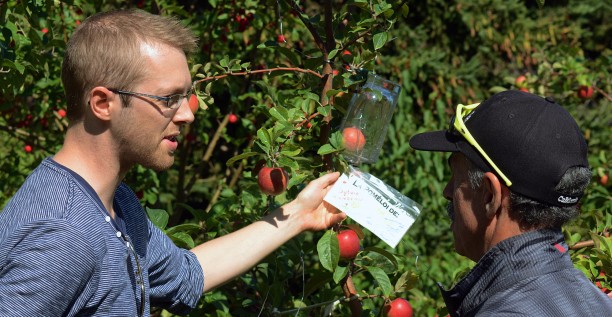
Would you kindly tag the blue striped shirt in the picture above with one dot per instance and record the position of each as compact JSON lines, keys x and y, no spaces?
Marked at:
{"x":61,"y":255}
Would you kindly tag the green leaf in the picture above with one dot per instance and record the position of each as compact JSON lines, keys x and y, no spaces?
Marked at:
{"x":279,"y":112}
{"x":185,"y":227}
{"x":379,"y":40}
{"x":336,"y":140}
{"x":289,"y":162}
{"x":239,"y":157}
{"x":326,"y":149}
{"x":332,"y":54}
{"x":264,"y":136}
{"x":296,"y":179}
{"x":381,"y":278}
{"x":291,"y":152}
{"x":404,"y":10}
{"x":224,"y":62}
{"x":384,"y":253}
{"x":332,"y":92}
{"x":328,"y":250}
{"x":406,"y":281}
{"x":324,"y":111}
{"x":158,"y":217}
{"x":183,"y":239}
{"x":340,"y":273}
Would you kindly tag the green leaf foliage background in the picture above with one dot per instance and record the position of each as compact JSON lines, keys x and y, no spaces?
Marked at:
{"x":440,"y":52}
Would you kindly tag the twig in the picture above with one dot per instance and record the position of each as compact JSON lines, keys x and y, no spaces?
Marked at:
{"x":341,"y":300}
{"x":267,"y":70}
{"x":603,"y":93}
{"x":582,"y":244}
{"x":316,"y":36}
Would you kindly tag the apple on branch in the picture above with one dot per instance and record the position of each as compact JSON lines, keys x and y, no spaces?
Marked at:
{"x":585,"y":92}
{"x":399,"y":307}
{"x":349,"y":244}
{"x":272,"y":180}
{"x":194,"y":104}
{"x":353,"y":139}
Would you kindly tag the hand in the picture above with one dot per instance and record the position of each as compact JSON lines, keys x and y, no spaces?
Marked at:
{"x":312,"y":211}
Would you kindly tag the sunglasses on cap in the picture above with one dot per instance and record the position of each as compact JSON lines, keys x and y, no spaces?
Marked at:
{"x":457,"y":126}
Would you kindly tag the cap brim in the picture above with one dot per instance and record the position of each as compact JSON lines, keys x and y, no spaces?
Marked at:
{"x":438,"y":141}
{"x":442,"y":141}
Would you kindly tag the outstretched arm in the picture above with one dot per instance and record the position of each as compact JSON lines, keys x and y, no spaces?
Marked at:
{"x":233,"y":254}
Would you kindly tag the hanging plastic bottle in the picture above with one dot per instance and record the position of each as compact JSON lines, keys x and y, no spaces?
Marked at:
{"x":364,"y":126}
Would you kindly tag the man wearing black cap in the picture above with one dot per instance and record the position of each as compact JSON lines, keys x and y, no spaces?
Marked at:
{"x":519,"y":167}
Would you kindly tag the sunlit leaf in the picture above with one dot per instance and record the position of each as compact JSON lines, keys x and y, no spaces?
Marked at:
{"x":328,"y":250}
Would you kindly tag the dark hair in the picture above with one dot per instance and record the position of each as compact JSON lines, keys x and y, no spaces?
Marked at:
{"x":532,"y":214}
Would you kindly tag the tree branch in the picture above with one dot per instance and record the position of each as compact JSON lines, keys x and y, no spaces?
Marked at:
{"x":251,"y":72}
{"x":582,"y":244}
{"x":315,"y":34}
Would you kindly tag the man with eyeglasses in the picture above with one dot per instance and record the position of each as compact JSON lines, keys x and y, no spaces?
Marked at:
{"x":74,"y":240}
{"x":519,"y":167}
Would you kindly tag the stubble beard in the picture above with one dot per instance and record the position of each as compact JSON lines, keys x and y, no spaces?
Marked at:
{"x":155,"y":158}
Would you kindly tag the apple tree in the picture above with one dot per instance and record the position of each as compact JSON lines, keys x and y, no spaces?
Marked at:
{"x":274,"y":80}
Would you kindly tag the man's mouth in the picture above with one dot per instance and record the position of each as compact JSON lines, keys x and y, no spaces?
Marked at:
{"x":171,"y":138}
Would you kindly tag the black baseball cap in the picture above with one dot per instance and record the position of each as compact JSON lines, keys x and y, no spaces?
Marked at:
{"x":531,"y":139}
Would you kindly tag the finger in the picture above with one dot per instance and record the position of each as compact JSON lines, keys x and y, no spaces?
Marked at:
{"x":328,"y":179}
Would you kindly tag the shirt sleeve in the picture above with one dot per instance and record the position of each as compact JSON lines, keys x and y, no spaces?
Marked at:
{"x":48,"y":270}
{"x":175,"y":275}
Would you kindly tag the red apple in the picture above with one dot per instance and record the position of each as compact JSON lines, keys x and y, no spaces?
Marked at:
{"x":45,"y":30}
{"x":585,"y":92}
{"x":194,"y":104}
{"x":347,"y":56}
{"x":520,"y":80}
{"x":598,"y":284}
{"x":603,"y":180}
{"x":61,"y":113}
{"x":232,"y":118}
{"x":399,"y":307}
{"x":281,"y":39}
{"x":348,"y":241}
{"x":524,"y":89}
{"x":272,"y":180}
{"x":27,"y":148}
{"x":353,"y":138}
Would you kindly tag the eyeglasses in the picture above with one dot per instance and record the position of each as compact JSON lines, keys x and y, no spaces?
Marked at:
{"x":139,"y":278}
{"x":172,"y":101}
{"x":458,"y":125}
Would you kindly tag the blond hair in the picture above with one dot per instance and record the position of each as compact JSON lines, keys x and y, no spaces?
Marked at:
{"x":105,"y":51}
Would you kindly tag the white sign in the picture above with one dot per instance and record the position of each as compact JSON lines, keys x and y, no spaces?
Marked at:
{"x":374,"y":205}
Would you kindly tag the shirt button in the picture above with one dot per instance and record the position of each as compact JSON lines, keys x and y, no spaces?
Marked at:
{"x":118,"y":234}
{"x":107,"y":218}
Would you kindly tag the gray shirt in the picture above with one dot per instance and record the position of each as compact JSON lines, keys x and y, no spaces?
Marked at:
{"x":527,"y":275}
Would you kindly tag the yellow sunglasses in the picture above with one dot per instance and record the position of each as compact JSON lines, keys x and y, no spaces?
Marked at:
{"x":457,"y":125}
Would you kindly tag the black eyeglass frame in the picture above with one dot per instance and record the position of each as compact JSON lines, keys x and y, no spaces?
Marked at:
{"x":172,"y":102}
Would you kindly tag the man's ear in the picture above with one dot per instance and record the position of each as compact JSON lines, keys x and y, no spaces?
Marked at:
{"x":492,"y":195}
{"x":101,"y":102}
